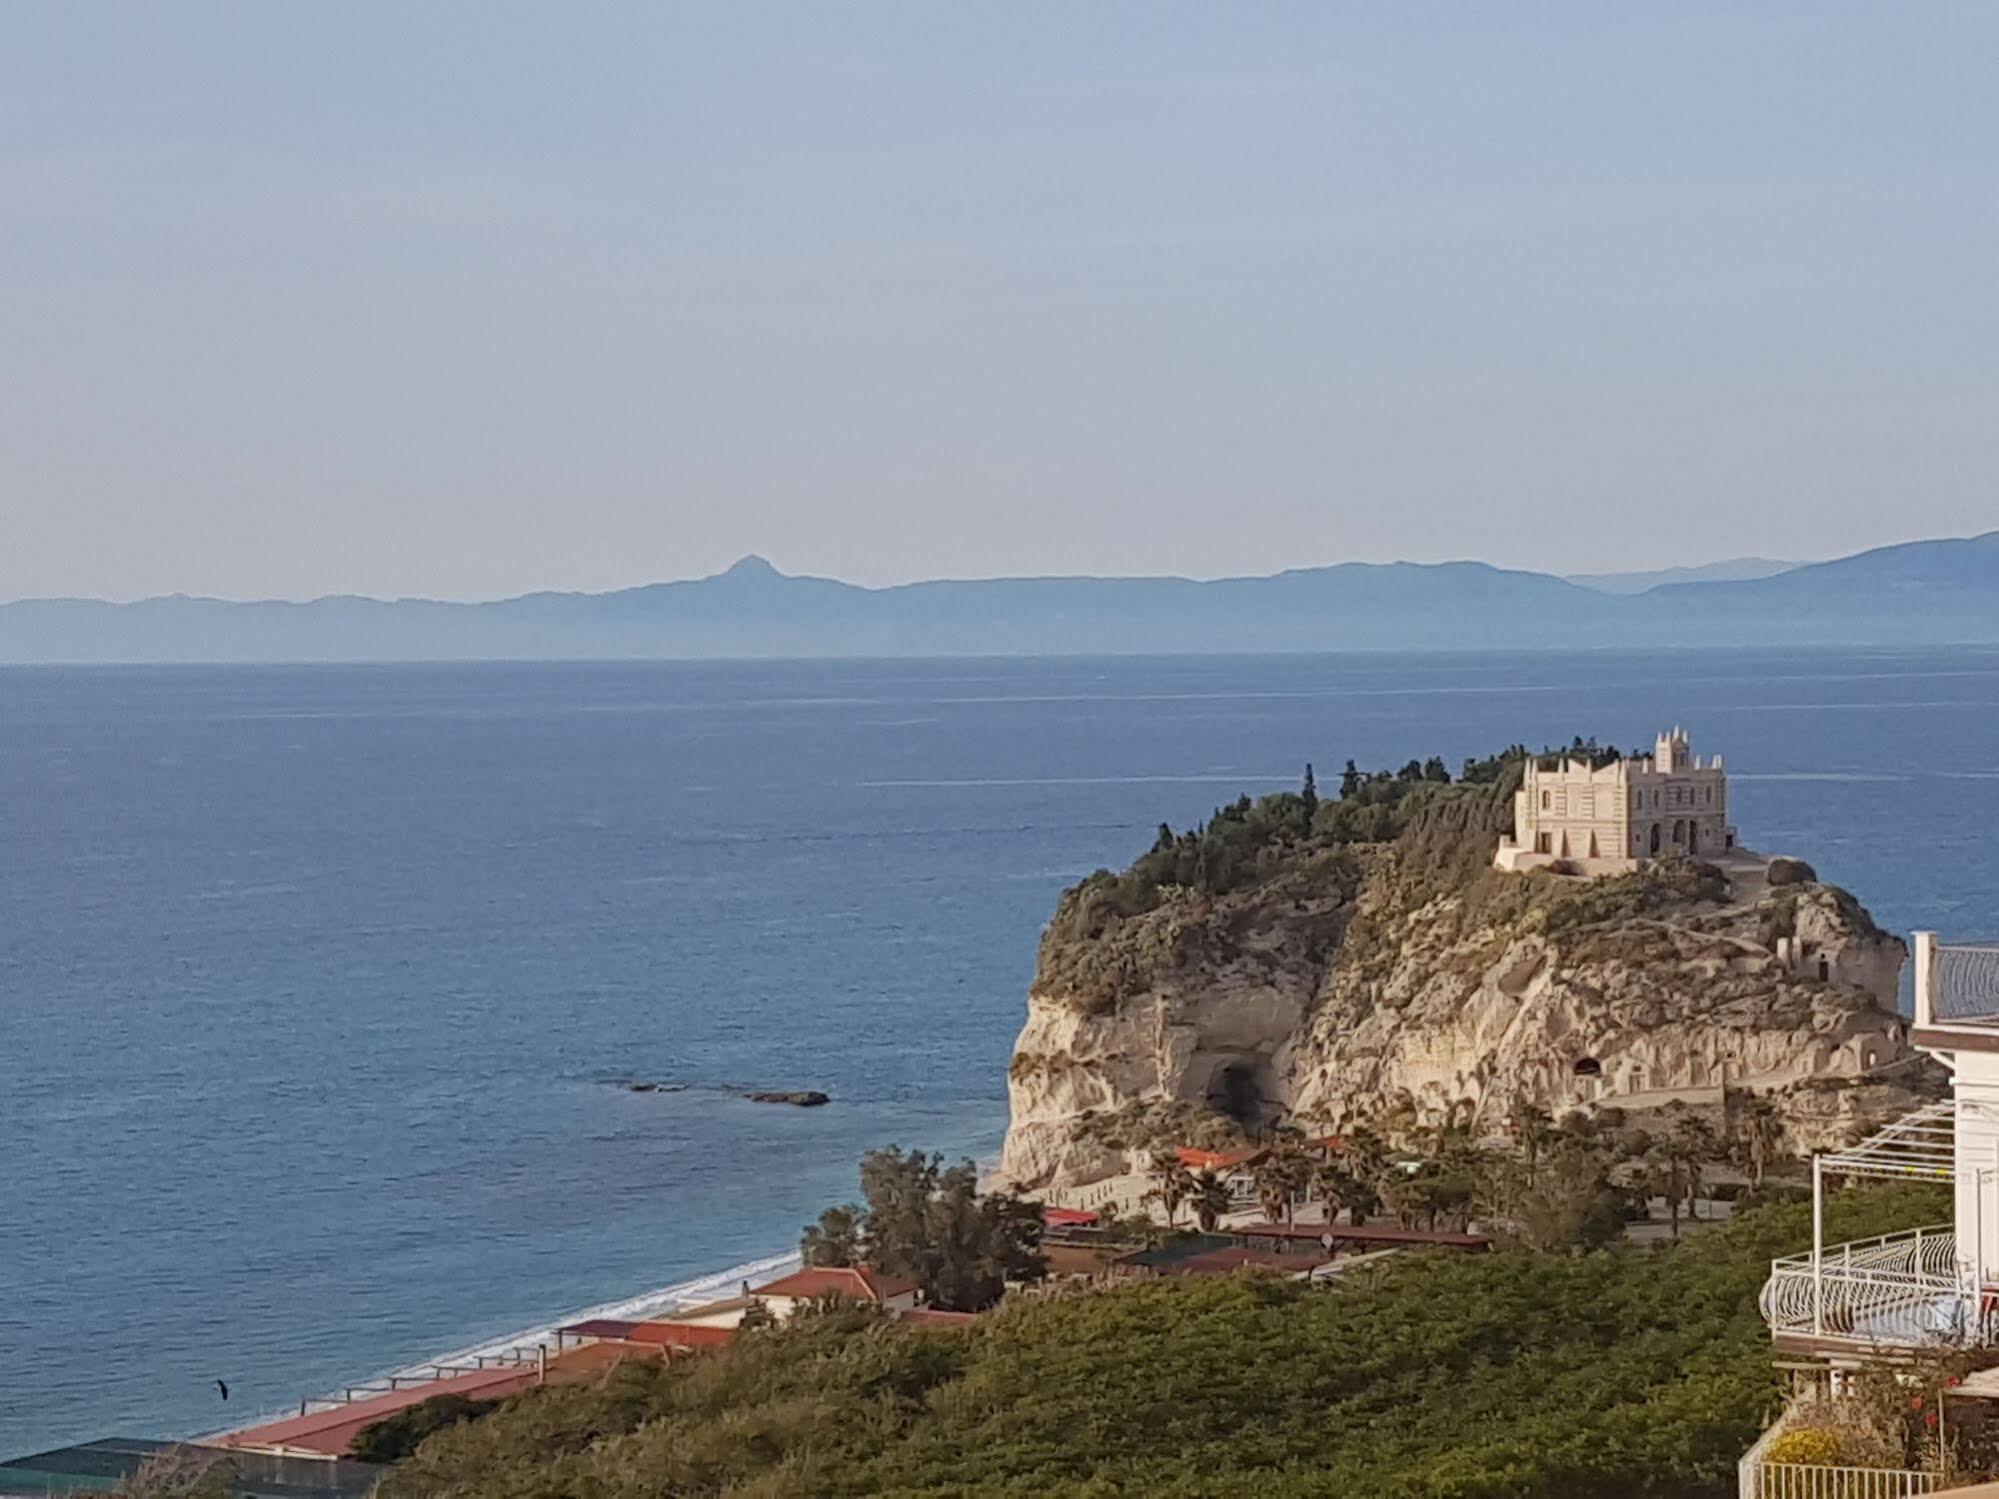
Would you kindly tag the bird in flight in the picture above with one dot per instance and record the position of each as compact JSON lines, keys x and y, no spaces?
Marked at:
{"x":223,"y":1388}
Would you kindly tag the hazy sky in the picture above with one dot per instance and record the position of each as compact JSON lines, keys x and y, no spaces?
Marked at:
{"x":467,"y":299}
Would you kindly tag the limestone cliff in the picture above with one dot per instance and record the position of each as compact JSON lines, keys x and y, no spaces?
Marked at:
{"x":1322,"y":977}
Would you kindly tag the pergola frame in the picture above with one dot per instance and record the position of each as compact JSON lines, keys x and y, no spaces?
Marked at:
{"x":1917,"y":1147}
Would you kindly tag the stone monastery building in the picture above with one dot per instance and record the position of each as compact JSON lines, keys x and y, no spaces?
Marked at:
{"x":1609,"y":820}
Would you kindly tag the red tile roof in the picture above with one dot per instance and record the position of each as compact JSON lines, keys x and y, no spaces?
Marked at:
{"x":599,"y":1327}
{"x":1067,"y":1217}
{"x":1217,"y":1160}
{"x":330,"y":1431}
{"x":856,"y":1283}
{"x":1080,"y":1259}
{"x":1367,"y":1233}
{"x":681,"y":1335}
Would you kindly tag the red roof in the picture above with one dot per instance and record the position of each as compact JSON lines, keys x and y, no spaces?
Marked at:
{"x":329,"y":1431}
{"x":681,"y":1335}
{"x":1366,"y":1233}
{"x":1216,"y":1160}
{"x":1067,"y":1217}
{"x":1221,"y":1261}
{"x":599,"y":1327}
{"x":855,"y":1282}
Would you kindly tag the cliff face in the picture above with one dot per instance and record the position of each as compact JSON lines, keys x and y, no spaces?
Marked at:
{"x":1404,"y":982}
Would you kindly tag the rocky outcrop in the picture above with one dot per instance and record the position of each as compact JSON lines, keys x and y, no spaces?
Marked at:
{"x":1405,"y":984}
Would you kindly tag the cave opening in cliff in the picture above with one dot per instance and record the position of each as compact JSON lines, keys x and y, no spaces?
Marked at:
{"x":1588,"y":1067}
{"x":1237,"y":1091}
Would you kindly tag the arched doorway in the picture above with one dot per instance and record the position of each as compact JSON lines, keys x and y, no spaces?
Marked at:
{"x":1593,"y":847}
{"x":1655,"y":837}
{"x":1693,"y":837}
{"x":1588,"y":1073}
{"x":1679,"y":832}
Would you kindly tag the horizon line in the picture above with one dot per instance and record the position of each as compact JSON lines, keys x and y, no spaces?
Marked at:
{"x":757,"y":563}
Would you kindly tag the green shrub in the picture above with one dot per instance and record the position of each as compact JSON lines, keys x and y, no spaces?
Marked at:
{"x":394,"y":1438}
{"x":1502,"y":1376}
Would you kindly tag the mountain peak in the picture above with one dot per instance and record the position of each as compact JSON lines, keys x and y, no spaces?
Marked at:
{"x":751,"y":566}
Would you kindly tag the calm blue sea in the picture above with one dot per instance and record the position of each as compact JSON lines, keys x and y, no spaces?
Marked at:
{"x":310,"y":977}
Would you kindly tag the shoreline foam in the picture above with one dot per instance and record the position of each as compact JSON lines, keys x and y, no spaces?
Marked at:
{"x":647,"y":1304}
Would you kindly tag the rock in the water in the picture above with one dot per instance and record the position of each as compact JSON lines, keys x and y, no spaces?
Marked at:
{"x":1791,"y":872}
{"x":642,"y":1087}
{"x":804,"y":1098}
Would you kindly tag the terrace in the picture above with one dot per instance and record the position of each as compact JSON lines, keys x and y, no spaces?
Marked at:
{"x":1881,"y":1301}
{"x":1901,"y":1289}
{"x":1932,"y":1286}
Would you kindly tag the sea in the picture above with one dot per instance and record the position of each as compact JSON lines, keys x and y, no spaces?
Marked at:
{"x":319,"y":985}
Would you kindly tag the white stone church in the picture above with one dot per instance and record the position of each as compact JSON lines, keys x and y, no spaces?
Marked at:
{"x":1611,"y":819}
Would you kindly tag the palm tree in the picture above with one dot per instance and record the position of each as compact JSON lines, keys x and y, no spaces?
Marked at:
{"x":1211,"y":1200}
{"x":1761,"y":1130}
{"x":1280,"y":1176}
{"x":1173,"y":1183}
{"x":1364,"y":1170}
{"x":1698,"y":1145}
{"x":1667,"y":1174}
{"x":1458,"y":1175}
{"x":1532,"y":1128}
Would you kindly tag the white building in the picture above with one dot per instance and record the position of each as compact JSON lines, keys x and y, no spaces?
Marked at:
{"x":1842,"y":1306}
{"x":1610,"y":819}
{"x":1939,"y":1282}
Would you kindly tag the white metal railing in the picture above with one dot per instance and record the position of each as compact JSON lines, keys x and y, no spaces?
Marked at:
{"x":1906,"y":1288}
{"x":1956,"y":983}
{"x":1759,"y":1478}
{"x":1808,"y":1481}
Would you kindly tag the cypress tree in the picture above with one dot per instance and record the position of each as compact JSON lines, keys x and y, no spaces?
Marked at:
{"x":1349,"y":781}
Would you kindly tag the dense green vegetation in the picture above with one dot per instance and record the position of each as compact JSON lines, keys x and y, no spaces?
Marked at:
{"x":1296,"y":867}
{"x":1507,"y":1376}
{"x":394,"y":1438}
{"x":927,"y":1222}
{"x":1248,"y":842}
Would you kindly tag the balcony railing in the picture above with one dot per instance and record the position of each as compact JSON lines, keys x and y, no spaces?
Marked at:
{"x":1957,"y":985}
{"x":1759,"y":1478}
{"x":1902,"y":1289}
{"x":1808,"y":1481}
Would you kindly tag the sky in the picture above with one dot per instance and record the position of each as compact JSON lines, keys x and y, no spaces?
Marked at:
{"x":468,"y":299}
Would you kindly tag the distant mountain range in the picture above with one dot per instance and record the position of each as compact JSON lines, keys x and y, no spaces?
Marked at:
{"x":1734,"y":570}
{"x":1925,"y":592}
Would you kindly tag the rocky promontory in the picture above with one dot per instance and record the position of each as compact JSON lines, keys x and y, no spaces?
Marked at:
{"x":1320,"y":964}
